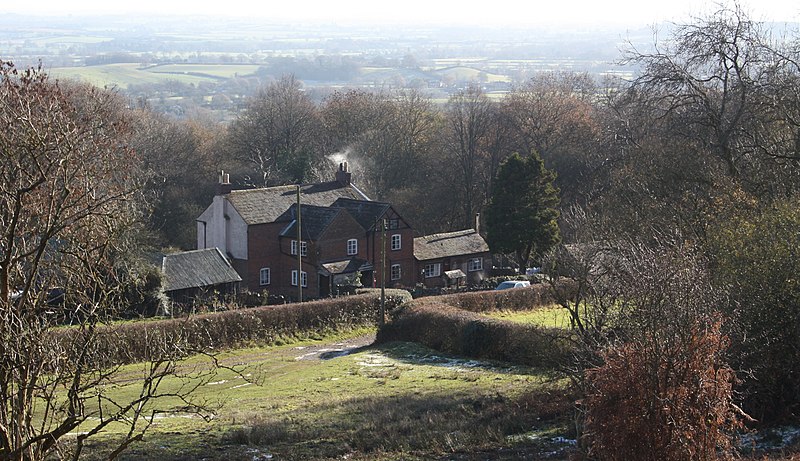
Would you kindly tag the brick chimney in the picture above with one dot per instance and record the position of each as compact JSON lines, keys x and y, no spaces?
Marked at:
{"x":477,"y":223}
{"x":342,"y":175}
{"x":224,"y":184}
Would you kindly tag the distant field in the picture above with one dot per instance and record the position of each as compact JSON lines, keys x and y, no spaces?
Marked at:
{"x":61,"y":40}
{"x":470,"y":73}
{"x":124,"y":75}
{"x":214,"y":70}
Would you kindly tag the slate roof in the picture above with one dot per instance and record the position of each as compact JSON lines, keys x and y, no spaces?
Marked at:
{"x":198,"y":268}
{"x":347,"y":266}
{"x":315,"y":220}
{"x":450,"y":244}
{"x":365,"y":212}
{"x":265,"y":205}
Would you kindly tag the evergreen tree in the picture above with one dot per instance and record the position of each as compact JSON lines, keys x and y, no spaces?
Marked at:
{"x":522,"y":215}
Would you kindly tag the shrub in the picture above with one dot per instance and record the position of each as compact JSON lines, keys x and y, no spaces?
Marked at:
{"x":756,"y":256}
{"x":649,"y":403}
{"x":451,"y":330}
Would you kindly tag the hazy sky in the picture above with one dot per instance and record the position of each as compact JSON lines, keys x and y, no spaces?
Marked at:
{"x":426,"y":11}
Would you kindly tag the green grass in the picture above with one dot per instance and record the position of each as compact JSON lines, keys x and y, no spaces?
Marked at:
{"x":553,"y":316}
{"x":212,"y":70}
{"x":123,"y":75}
{"x":399,"y":400}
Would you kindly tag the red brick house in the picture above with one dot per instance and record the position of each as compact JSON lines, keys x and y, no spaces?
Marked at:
{"x":340,"y":241}
{"x":452,"y":259}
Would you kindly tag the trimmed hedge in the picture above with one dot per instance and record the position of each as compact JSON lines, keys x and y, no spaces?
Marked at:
{"x":448,"y":329}
{"x":133,"y":342}
{"x":517,"y":299}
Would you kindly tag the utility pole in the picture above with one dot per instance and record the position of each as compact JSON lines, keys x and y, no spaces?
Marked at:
{"x":299,"y":250}
{"x":382,"y":318}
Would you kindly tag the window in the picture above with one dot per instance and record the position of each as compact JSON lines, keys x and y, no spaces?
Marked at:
{"x":394,"y":223}
{"x":264,"y":276}
{"x":475,"y":264}
{"x":352,"y":247}
{"x":396,"y":272}
{"x":395,"y":241}
{"x":303,"y":277}
{"x":303,"y":248}
{"x":433,"y":270}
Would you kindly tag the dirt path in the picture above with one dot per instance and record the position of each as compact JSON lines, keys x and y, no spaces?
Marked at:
{"x":333,"y":350}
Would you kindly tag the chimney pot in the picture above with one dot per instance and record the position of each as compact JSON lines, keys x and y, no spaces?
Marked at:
{"x":343,"y":176}
{"x":224,"y":185}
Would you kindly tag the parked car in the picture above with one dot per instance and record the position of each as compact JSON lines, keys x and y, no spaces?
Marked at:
{"x":513,"y":284}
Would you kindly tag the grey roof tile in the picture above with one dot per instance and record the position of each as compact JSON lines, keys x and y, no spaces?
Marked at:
{"x":449,"y":244}
{"x":198,"y":268}
{"x":265,"y":205}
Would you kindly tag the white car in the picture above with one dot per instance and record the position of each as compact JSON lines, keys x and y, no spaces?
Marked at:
{"x":513,"y":284}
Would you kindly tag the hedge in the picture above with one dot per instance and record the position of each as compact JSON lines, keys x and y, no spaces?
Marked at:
{"x":132,"y":342}
{"x":518,"y":299}
{"x":448,"y":329}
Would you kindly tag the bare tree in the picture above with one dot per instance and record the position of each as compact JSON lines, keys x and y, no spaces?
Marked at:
{"x":69,"y":202}
{"x":277,"y":132}
{"x":470,"y":115}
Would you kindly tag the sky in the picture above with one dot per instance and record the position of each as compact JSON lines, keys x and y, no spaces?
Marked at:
{"x":444,"y":12}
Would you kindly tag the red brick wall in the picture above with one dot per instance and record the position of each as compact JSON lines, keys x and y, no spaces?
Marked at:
{"x":404,"y":256}
{"x":333,"y":243}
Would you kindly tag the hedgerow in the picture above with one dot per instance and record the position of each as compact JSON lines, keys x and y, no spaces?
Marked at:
{"x":493,"y":300}
{"x":132,"y":342}
{"x":443,"y":327}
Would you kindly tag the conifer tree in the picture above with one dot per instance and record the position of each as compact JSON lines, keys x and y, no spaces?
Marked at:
{"x":522,"y":215}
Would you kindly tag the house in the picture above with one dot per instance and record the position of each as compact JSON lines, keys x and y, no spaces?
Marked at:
{"x":339,"y":243}
{"x":196,"y":275}
{"x":452,"y":259}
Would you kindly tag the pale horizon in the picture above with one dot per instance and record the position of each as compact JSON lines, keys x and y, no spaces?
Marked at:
{"x":500,"y":12}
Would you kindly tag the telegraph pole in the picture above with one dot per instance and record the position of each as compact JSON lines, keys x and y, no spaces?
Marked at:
{"x":382,"y":318}
{"x":299,"y":251}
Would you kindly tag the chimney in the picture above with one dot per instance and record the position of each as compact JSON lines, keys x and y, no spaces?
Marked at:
{"x":342,"y":175}
{"x":477,"y":223}
{"x":224,"y":185}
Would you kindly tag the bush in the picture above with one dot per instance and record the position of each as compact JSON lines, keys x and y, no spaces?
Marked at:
{"x":756,"y":256}
{"x":651,"y":403}
{"x":451,"y":330}
{"x":655,"y":380}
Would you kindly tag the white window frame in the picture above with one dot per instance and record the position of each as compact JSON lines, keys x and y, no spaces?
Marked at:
{"x":475,"y":264}
{"x":433,"y":270}
{"x":397,"y":242}
{"x":352,"y":247}
{"x":303,"y":248}
{"x":303,"y":278}
{"x":264,"y":276}
{"x":396,"y":272}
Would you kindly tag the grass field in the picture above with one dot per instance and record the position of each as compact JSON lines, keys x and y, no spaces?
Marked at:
{"x":396,"y":401}
{"x":123,"y":75}
{"x":553,"y":316}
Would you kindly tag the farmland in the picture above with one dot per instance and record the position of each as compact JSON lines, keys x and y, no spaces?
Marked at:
{"x":122,"y":75}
